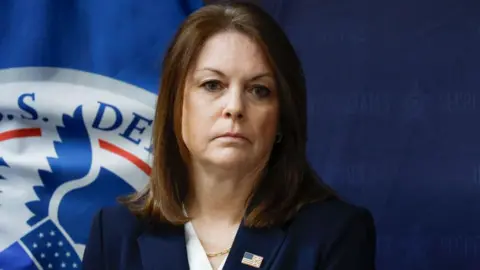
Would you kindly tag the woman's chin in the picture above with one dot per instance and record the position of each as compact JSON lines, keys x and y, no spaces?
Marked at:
{"x":230,"y":160}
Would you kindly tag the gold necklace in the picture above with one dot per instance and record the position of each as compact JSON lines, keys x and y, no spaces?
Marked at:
{"x":211,"y":255}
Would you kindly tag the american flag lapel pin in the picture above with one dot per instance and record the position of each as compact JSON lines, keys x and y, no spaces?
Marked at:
{"x":252,"y":260}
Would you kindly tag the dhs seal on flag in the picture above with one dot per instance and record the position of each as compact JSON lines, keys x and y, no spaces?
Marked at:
{"x":70,"y":143}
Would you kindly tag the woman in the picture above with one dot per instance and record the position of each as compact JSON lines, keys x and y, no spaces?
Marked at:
{"x":231,"y":187}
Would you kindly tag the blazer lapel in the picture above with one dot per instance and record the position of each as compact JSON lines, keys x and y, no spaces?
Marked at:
{"x":260,"y":242}
{"x":164,"y":248}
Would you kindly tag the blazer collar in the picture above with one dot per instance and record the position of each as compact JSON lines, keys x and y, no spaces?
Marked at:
{"x":261,"y":242}
{"x":165,"y":247}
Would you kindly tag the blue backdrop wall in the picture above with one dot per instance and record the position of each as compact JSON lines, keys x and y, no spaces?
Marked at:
{"x":393,"y":109}
{"x":394,"y":106}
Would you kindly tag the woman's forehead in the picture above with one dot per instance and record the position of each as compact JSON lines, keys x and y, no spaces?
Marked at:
{"x":231,"y":52}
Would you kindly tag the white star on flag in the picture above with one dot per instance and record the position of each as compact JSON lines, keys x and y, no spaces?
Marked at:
{"x":50,"y":248}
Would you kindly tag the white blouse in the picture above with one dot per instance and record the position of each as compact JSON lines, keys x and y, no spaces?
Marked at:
{"x":197,"y":257}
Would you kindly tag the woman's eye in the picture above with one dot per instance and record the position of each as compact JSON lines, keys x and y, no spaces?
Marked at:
{"x":212,"y":86}
{"x":261,"y":91}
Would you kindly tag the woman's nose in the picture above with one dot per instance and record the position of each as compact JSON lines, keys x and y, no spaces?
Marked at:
{"x":234,"y":108}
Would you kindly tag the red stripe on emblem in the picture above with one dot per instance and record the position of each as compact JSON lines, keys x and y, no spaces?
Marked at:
{"x":20,"y":133}
{"x":142,"y":165}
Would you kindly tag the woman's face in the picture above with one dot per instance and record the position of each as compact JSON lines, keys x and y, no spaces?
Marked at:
{"x":230,"y":107}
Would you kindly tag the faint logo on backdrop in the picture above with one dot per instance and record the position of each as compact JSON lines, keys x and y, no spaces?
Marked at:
{"x":70,"y":143}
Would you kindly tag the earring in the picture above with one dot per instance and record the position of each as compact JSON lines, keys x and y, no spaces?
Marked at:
{"x":278,"y":137}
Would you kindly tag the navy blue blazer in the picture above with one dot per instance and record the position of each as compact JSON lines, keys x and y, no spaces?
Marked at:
{"x":330,"y":235}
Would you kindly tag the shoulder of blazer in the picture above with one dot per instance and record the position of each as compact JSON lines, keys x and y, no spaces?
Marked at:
{"x":329,"y":220}
{"x":117,"y":222}
{"x":110,"y":227}
{"x":331,"y":211}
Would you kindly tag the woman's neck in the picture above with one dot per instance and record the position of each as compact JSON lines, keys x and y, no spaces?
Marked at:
{"x":218,"y":196}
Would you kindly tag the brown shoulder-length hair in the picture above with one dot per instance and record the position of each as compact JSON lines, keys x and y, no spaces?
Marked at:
{"x":288,"y":180}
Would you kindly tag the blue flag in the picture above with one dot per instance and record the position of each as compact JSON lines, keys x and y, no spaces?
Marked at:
{"x":78,"y":83}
